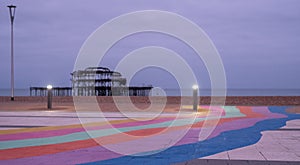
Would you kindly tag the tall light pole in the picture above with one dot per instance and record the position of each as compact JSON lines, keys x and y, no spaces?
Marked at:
{"x":12,"y":11}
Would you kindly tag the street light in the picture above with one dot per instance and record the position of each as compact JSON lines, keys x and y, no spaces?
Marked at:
{"x":195,"y":97}
{"x":12,"y":11}
{"x":49,"y":89}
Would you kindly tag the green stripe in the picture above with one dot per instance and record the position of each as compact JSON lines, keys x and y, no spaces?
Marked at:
{"x":230,"y":111}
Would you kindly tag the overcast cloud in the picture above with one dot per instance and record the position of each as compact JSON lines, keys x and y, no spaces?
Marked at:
{"x":258,"y":41}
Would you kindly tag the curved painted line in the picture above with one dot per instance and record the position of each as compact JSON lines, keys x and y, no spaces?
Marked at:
{"x":225,"y":141}
{"x":49,"y":149}
{"x":96,"y":133}
{"x":61,"y":157}
{"x":61,"y":132}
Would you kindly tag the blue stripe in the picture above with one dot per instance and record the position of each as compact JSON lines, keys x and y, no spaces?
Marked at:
{"x":225,"y":141}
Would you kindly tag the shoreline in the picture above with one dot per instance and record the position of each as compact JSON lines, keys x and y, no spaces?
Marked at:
{"x":203,"y":100}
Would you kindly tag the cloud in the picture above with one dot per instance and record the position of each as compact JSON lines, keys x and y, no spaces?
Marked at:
{"x":251,"y":36}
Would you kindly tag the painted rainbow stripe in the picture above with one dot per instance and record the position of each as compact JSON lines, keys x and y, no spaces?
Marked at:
{"x":237,"y":127}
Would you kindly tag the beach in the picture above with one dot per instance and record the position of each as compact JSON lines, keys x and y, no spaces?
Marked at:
{"x":107,"y":103}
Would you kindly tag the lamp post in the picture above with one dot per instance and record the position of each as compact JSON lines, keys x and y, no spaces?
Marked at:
{"x":49,"y":89}
{"x":12,"y":11}
{"x":195,"y":97}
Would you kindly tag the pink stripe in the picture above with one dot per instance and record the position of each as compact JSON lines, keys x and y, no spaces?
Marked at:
{"x":50,"y":133}
{"x":99,"y":153}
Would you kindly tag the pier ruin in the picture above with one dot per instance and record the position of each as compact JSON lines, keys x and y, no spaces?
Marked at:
{"x":95,"y":81}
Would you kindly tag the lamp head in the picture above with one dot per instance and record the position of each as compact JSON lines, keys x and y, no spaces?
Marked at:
{"x":12,"y":6}
{"x":49,"y":87}
{"x":12,"y":12}
{"x":195,"y":87}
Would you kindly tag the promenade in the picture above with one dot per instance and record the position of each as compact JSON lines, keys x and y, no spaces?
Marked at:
{"x":219,"y":135}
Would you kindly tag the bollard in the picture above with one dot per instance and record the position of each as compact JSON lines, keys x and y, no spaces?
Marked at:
{"x":195,"y":97}
{"x":49,"y":89}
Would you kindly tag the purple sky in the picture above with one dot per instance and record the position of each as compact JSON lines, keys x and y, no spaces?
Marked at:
{"x":258,"y":41}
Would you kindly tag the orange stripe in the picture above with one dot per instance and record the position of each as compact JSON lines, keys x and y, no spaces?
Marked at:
{"x":118,"y":138}
{"x":62,"y":147}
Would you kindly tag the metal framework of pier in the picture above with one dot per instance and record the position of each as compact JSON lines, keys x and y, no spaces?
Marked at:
{"x":95,"y":81}
{"x":100,"y":81}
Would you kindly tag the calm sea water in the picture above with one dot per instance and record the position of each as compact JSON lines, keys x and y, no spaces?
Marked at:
{"x":202,"y":92}
{"x":242,"y":92}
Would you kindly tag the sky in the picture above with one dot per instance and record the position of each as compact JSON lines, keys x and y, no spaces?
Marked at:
{"x":258,"y":41}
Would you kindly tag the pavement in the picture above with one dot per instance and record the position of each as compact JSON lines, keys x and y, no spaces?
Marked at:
{"x":223,"y":135}
{"x":281,"y":146}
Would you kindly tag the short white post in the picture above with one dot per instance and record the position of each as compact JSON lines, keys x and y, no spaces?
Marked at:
{"x":195,"y":97}
{"x":49,"y":89}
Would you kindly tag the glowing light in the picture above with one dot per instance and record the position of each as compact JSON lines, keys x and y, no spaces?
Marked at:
{"x":49,"y":87}
{"x":195,"y":87}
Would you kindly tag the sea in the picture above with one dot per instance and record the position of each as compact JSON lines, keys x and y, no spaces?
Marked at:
{"x":188,"y":92}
